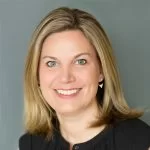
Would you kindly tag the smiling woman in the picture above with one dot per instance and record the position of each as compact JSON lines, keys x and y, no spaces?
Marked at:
{"x":73,"y":97}
{"x":65,"y":80}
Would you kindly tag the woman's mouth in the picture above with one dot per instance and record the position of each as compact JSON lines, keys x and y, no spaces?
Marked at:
{"x":68,"y":92}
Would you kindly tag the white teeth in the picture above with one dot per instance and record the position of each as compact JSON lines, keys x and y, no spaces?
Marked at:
{"x":67,"y":92}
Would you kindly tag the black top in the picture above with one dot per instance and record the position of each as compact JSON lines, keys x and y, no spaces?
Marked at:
{"x":131,"y":134}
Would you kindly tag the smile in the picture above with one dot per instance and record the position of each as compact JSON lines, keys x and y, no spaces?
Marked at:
{"x":68,"y":92}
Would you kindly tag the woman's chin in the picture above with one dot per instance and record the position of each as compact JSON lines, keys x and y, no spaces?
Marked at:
{"x":66,"y":111}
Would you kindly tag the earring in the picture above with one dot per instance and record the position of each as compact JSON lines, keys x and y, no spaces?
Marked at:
{"x":101,"y":85}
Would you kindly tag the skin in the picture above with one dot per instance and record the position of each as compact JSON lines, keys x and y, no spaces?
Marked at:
{"x":68,"y":62}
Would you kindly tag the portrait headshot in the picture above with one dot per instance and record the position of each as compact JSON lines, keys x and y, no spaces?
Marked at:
{"x":74,"y":75}
{"x":72,"y":91}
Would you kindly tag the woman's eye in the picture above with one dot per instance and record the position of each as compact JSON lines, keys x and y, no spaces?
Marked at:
{"x":81,"y":61}
{"x":51,"y":63}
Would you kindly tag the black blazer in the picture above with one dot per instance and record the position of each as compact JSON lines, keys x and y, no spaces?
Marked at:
{"x":131,"y":134}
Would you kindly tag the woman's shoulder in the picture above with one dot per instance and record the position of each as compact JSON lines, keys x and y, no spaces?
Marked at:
{"x":32,"y":142}
{"x":132,"y":125}
{"x":133,"y":132}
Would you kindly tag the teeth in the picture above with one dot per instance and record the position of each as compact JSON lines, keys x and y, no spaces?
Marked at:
{"x":67,"y":92}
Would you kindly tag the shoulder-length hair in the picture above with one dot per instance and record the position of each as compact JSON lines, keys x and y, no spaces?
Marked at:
{"x":39,"y":116}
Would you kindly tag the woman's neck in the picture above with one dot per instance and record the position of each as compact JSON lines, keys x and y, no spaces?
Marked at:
{"x":76,"y":129}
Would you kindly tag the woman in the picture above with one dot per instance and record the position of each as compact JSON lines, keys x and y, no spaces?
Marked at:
{"x":73,"y":97}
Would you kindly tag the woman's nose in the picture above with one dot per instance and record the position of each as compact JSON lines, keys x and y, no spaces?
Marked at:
{"x":67,"y":75}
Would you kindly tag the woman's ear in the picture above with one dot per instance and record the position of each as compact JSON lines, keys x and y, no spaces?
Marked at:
{"x":101,"y":80}
{"x":101,"y":77}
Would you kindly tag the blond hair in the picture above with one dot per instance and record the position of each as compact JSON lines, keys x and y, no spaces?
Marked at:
{"x":39,"y":116}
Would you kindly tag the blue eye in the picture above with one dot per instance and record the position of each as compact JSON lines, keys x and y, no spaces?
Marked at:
{"x":51,"y":64}
{"x":81,"y":61}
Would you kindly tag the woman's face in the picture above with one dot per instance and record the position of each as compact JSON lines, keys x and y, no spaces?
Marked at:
{"x":69,"y":72}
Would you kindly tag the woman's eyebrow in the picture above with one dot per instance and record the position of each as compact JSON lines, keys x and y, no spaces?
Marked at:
{"x":50,"y":57}
{"x":78,"y":55}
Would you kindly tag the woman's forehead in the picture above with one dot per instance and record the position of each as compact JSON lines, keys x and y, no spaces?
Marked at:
{"x":67,"y":42}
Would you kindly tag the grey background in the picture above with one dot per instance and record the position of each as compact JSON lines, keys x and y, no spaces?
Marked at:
{"x":126,"y":22}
